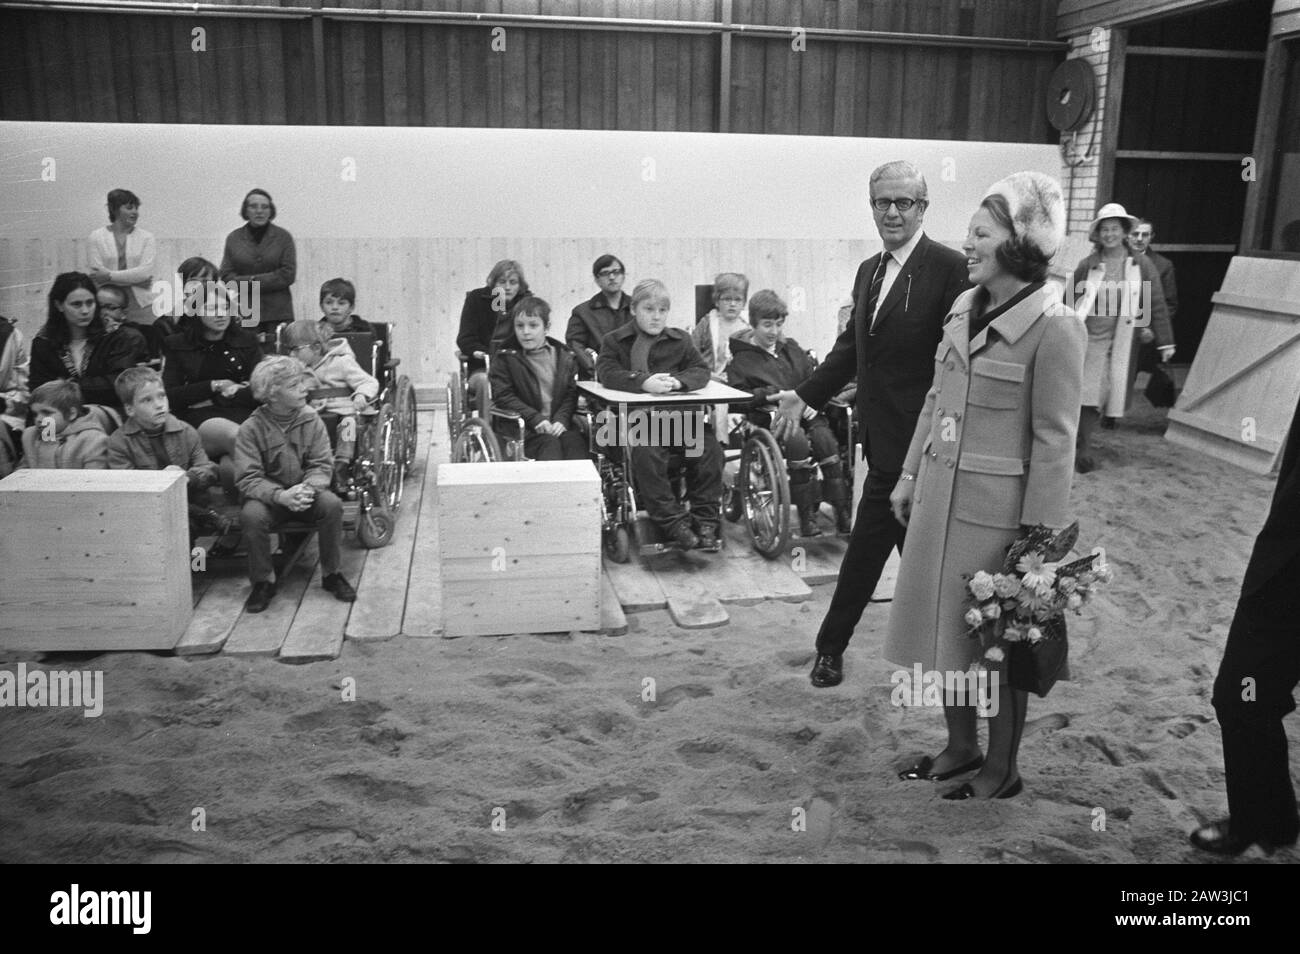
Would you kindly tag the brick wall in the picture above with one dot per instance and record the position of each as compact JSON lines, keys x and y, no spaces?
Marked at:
{"x":1081,"y":187}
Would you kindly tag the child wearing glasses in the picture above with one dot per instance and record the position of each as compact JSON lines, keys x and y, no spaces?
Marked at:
{"x":599,"y":315}
{"x":728,"y":317}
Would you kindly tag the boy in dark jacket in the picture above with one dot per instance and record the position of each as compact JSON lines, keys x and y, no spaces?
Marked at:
{"x":599,"y":315}
{"x":152,"y":438}
{"x":648,"y":356}
{"x":764,"y":362}
{"x":283,"y":468}
{"x":532,"y":376}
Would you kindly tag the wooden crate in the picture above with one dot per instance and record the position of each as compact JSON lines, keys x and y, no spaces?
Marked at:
{"x":520,"y":547}
{"x":93,"y":560}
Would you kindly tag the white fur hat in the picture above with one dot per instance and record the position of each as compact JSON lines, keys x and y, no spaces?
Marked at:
{"x":1037,"y":209}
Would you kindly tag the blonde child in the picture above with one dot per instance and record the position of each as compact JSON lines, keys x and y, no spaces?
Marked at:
{"x":282,"y":467}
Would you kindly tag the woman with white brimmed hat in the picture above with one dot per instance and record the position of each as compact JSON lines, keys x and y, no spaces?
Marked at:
{"x":992,"y":454}
{"x":1124,"y":303}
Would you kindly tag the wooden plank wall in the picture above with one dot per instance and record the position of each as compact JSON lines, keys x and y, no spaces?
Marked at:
{"x":424,"y":280}
{"x":141,"y":68}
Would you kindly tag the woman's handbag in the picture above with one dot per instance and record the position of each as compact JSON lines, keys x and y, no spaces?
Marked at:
{"x":1035,"y":667}
{"x":1160,"y":389}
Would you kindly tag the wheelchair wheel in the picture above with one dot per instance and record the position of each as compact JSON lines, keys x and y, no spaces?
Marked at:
{"x":475,"y":444}
{"x":733,"y":507}
{"x":454,"y":409}
{"x":765,"y":493}
{"x":407,"y":426}
{"x":618,"y":544}
{"x":375,"y":528}
{"x":385,"y":458}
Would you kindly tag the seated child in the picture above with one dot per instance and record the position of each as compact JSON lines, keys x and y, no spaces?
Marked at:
{"x":66,"y":436}
{"x":532,"y":376}
{"x":337,"y":385}
{"x":153,"y":439}
{"x":714,"y":330}
{"x":764,"y":362}
{"x":338,"y":297}
{"x":282,"y":467}
{"x":13,"y":394}
{"x":646,"y":355}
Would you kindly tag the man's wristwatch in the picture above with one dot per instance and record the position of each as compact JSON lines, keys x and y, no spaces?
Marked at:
{"x":906,"y":476}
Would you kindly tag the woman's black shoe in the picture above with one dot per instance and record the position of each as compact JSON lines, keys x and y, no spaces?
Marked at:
{"x":1217,"y":838}
{"x":965,"y":791}
{"x":921,"y":770}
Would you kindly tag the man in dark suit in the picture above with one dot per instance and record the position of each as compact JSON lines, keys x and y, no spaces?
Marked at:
{"x":1259,"y":672}
{"x":1139,"y":240}
{"x":900,"y":299}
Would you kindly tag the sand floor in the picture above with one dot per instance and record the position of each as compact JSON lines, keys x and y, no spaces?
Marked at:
{"x":550,"y":736}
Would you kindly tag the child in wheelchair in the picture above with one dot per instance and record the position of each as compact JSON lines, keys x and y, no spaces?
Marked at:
{"x":282,"y":467}
{"x":533,"y":378}
{"x":153,"y":439}
{"x":338,"y":387}
{"x":648,"y":356}
{"x":763,"y":362}
{"x":338,"y":297}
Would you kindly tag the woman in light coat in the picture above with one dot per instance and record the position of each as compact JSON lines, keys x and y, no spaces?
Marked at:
{"x":123,"y":254}
{"x":993,"y":452}
{"x":1124,"y":301}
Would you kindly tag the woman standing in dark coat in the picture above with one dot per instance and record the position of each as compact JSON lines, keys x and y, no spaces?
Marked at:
{"x":73,"y":343}
{"x":263,"y":252}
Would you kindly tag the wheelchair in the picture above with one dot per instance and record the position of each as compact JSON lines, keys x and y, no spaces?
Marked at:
{"x":472,"y":438}
{"x":759,"y":491}
{"x":385,"y":438}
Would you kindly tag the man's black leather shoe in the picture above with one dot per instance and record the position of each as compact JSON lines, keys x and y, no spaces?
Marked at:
{"x":827,"y":671}
{"x":1218,"y":839}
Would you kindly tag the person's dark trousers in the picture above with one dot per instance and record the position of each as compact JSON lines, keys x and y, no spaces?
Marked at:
{"x":259,"y":521}
{"x":703,"y":482}
{"x":875,"y":534}
{"x":1252,"y":695}
{"x":570,"y":445}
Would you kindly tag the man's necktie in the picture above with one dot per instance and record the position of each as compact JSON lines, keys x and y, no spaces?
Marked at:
{"x":873,"y":293}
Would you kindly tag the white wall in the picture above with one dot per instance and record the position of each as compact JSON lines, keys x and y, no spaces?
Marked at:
{"x":431,"y":209}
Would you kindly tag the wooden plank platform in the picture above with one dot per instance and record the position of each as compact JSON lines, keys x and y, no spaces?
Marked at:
{"x":398,"y":589}
{"x":423,"y":614}
{"x":612,"y":620}
{"x":382,"y":585}
{"x":261,"y":634}
{"x":317,"y":628}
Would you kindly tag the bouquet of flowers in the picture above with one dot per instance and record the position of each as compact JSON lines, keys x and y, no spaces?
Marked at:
{"x":1019,"y":613}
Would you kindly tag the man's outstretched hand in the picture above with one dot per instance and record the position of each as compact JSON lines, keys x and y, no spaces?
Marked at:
{"x":790,"y":409}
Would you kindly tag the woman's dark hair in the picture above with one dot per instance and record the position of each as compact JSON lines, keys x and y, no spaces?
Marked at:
{"x":604,"y":262}
{"x":55,"y":328}
{"x":1016,"y":255}
{"x":243,"y":206}
{"x":197,"y":267}
{"x":118,"y":198}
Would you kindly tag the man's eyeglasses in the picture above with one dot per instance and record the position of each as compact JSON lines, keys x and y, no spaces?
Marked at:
{"x":609,"y":273}
{"x":112,"y":308}
{"x":882,"y":205}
